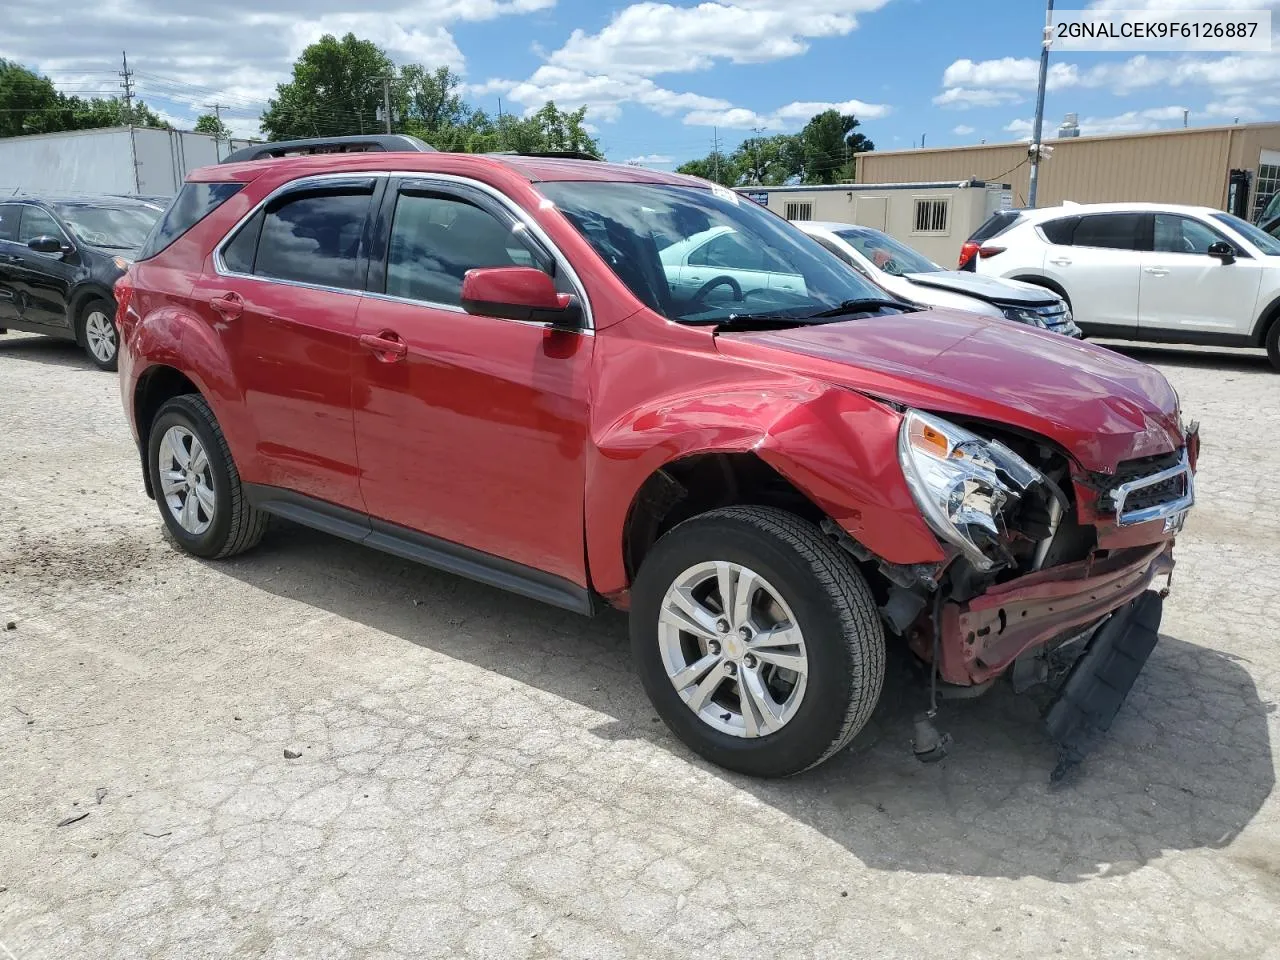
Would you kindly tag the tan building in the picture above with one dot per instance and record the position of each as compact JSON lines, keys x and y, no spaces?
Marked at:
{"x":1168,"y":166}
{"x":934,"y":218}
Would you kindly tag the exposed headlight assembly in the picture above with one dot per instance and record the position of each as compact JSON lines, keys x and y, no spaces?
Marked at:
{"x":1028,"y":316}
{"x":962,"y":483}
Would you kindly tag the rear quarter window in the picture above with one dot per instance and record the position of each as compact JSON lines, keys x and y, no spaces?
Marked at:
{"x":194,"y":202}
{"x":1060,"y":232}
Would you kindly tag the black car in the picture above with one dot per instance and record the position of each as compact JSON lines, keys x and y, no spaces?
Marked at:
{"x":59,"y":259}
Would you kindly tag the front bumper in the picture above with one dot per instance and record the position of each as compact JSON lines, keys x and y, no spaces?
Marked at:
{"x":982,"y":637}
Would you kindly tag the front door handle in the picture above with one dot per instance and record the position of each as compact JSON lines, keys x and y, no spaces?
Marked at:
{"x":386,"y":346}
{"x":1061,"y":262}
{"x":1156,"y":271}
{"x":9,"y":258}
{"x":228,"y":306}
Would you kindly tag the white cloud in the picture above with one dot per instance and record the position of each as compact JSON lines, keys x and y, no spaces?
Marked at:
{"x":601,"y":94}
{"x":188,"y":53}
{"x":1008,"y":73}
{"x":1021,"y":129}
{"x":649,"y":38}
{"x":651,"y":160}
{"x":963,"y":130}
{"x":962,"y":98}
{"x":792,"y":116}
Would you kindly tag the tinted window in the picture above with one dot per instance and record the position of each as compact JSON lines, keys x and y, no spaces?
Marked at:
{"x":834,"y":249}
{"x":37,"y":223}
{"x":1060,"y":232}
{"x":1174,"y":234}
{"x":238,"y":255}
{"x":314,"y":238}
{"x":1115,"y":231}
{"x":1264,"y":241}
{"x":886,"y":253}
{"x":9,"y":215}
{"x":996,"y":224}
{"x":194,"y":202}
{"x":437,"y":238}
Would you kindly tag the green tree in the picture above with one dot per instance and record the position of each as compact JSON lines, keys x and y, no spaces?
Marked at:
{"x":828,"y":143}
{"x":769,"y":160}
{"x":336,"y":91}
{"x":210,"y":124}
{"x":716,"y":167}
{"x":429,"y":106}
{"x":28,"y":103}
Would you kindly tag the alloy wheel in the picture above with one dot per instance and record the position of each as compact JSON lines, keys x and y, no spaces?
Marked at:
{"x":732,"y":649}
{"x":100,"y":334}
{"x":186,"y":480}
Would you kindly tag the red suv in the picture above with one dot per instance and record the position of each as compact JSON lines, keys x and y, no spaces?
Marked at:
{"x":485,"y":364}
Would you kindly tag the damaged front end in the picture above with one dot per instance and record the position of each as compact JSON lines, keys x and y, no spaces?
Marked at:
{"x":1044,"y":559}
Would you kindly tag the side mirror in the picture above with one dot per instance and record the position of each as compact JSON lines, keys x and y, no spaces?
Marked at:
{"x":1222,"y":251}
{"x":519,"y":293}
{"x":46,"y":244}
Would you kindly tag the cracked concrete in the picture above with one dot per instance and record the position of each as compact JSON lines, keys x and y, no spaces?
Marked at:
{"x":481,"y":776}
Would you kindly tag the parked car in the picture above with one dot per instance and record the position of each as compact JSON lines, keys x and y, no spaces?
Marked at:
{"x":478,"y":362}
{"x":1142,"y":271}
{"x":58,"y":261}
{"x":913,"y":276}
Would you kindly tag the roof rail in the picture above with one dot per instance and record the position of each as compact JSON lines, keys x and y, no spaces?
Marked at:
{"x":549,"y":154}
{"x":374,"y":143}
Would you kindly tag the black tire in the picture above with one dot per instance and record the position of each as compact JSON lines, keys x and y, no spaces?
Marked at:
{"x":107,"y":307}
{"x":835,"y":610}
{"x":1273,"y":344}
{"x":235,"y":526}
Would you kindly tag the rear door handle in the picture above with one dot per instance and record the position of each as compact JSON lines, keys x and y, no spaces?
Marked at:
{"x":386,"y":346}
{"x":1156,"y":271}
{"x":1061,"y":262}
{"x":228,"y":306}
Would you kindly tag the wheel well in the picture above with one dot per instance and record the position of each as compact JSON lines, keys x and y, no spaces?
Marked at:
{"x":158,"y":385}
{"x":1269,"y":320}
{"x":1045,"y":282}
{"x":703,"y":482}
{"x":80,"y":298}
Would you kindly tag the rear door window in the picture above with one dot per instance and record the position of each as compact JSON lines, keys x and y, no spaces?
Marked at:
{"x":316,"y":237}
{"x":1112,"y":231}
{"x":194,"y":202}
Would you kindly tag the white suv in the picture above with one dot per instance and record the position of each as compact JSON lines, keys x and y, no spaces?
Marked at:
{"x":1146,"y":271}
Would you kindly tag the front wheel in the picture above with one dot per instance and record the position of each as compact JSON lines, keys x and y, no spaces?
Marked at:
{"x":757,"y":640}
{"x":1273,"y":344}
{"x":97,"y":332}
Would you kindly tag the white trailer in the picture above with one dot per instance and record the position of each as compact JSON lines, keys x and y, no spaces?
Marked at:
{"x":113,"y":160}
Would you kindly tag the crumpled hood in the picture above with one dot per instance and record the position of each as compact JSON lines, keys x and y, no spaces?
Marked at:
{"x":985,"y":288}
{"x":1098,"y":404}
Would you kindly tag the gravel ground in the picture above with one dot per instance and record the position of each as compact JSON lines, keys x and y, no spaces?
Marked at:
{"x":481,"y":776}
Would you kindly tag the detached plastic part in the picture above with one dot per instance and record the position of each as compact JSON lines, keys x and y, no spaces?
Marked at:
{"x":928,"y":745}
{"x":1101,"y":680}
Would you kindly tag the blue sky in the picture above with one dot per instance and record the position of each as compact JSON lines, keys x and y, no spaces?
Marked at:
{"x":660,"y":78}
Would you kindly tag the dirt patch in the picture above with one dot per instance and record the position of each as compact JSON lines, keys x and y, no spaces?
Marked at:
{"x":101,"y":557}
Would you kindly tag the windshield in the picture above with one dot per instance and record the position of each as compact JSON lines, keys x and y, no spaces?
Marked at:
{"x":1268,"y":244}
{"x":885,"y":253}
{"x":119,"y":228}
{"x":697,"y":255}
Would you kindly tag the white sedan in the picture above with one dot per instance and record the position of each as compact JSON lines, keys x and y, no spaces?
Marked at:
{"x":912,"y":276}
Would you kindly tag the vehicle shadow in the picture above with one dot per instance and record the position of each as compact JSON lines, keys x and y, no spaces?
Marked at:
{"x":50,"y":350}
{"x":1186,"y":765}
{"x":1244,"y":361}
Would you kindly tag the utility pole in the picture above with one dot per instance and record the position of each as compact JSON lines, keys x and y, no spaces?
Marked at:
{"x":1186,"y":114}
{"x":386,"y":100}
{"x":715,"y":153}
{"x":127,"y":83}
{"x":755,"y":149}
{"x":217,"y":109}
{"x":1045,"y":40}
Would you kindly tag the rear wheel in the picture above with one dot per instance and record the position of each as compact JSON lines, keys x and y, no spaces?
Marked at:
{"x":757,"y":640}
{"x":96,"y":328}
{"x":196,"y":483}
